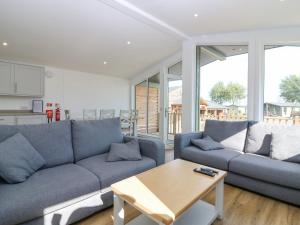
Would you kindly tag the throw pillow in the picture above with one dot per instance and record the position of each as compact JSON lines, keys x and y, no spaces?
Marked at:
{"x":124,"y":151}
{"x":285,"y":145}
{"x":18,"y":159}
{"x":207,"y":143}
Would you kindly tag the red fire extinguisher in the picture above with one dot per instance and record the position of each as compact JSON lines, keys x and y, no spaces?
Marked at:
{"x":49,"y":112}
{"x":57,"y":112}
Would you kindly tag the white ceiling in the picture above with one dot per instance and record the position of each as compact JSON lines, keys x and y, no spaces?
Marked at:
{"x":82,"y":34}
{"x":222,"y":15}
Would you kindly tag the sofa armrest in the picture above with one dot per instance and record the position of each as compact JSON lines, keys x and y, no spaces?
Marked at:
{"x":184,"y":140}
{"x":152,"y":148}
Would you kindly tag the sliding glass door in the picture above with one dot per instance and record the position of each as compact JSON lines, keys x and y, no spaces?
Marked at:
{"x":173,"y":105}
{"x":147,"y":102}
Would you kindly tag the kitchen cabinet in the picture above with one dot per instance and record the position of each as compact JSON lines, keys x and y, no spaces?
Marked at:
{"x":7,"y":120}
{"x":21,"y":80}
{"x":22,"y":120}
{"x":28,"y":80}
{"x":6,"y":78}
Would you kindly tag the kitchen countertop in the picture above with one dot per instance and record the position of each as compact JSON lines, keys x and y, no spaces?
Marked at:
{"x":19,"y":113}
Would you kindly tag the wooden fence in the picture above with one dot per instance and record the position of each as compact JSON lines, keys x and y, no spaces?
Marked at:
{"x":175,"y":119}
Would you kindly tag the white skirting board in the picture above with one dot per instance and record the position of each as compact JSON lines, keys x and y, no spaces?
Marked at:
{"x":201,"y":213}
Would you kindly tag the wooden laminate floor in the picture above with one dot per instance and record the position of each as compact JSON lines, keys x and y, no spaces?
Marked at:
{"x":241,"y":207}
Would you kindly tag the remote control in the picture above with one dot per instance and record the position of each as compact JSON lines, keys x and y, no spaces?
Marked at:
{"x":209,"y":169}
{"x":208,"y":173}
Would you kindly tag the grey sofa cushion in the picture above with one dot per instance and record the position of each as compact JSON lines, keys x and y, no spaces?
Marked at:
{"x":286,"y":194}
{"x":111,"y":172}
{"x":18,"y":159}
{"x":42,"y":191}
{"x":217,"y":159}
{"x":259,"y":138}
{"x":285,"y":144}
{"x":266,"y":169}
{"x":207,"y":144}
{"x":52,"y":141}
{"x":231,"y":134}
{"x":124,"y":151}
{"x":95,"y":137}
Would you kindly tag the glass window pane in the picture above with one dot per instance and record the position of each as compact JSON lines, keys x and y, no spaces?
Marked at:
{"x":282,"y":85}
{"x":174,"y":107}
{"x":223,"y":77}
{"x":176,"y":69}
{"x":141,"y":92}
{"x":153,"y":105}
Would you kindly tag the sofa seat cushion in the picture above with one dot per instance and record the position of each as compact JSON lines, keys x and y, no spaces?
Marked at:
{"x":111,"y":172}
{"x":265,"y":169}
{"x":44,"y":192}
{"x":218,"y":159}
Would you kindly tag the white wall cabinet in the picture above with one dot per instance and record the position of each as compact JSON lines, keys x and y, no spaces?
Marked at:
{"x":21,"y":80}
{"x":22,"y":120}
{"x":7,"y":120}
{"x":6,"y":78}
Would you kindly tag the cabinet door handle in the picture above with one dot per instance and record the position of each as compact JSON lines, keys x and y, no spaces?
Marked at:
{"x":16,"y":87}
{"x":1,"y":119}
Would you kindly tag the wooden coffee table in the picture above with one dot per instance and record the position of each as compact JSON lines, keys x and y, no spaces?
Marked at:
{"x":170,"y":194}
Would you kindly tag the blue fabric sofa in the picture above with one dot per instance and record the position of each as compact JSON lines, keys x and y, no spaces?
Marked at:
{"x":246,"y":157}
{"x":75,"y":182}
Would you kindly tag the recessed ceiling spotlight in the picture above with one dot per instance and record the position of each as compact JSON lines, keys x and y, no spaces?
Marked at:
{"x":282,"y":0}
{"x":4,"y":44}
{"x":196,"y":15}
{"x":104,"y":62}
{"x":240,"y":49}
{"x":128,"y":42}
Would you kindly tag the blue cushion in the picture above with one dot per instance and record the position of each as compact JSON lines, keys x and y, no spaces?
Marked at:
{"x":18,"y":159}
{"x":207,"y":143}
{"x":217,"y":159}
{"x":95,"y":137}
{"x":52,"y":141}
{"x":124,"y":151}
{"x":266,"y":169}
{"x":45,"y":191}
{"x":111,"y":172}
{"x":231,"y":134}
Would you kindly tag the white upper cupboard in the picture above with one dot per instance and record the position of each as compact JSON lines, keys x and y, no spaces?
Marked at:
{"x":6,"y":78}
{"x":21,"y":80}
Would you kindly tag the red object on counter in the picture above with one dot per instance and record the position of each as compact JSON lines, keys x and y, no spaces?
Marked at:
{"x":49,"y":112}
{"x":57,"y":112}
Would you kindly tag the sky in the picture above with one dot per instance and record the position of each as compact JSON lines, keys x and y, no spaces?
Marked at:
{"x":279,"y":63}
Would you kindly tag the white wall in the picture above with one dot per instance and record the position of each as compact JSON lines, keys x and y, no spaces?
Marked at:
{"x":77,"y":90}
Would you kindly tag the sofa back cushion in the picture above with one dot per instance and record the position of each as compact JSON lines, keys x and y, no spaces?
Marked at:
{"x":52,"y":141}
{"x":285,"y":144}
{"x":259,"y":137}
{"x":231,"y":134}
{"x":94,"y":137}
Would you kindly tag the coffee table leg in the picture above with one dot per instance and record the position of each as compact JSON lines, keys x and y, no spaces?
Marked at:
{"x":219,"y":203}
{"x":119,"y":213}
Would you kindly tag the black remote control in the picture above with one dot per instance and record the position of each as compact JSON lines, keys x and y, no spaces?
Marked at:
{"x":206,"y":172}
{"x":209,"y":169}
